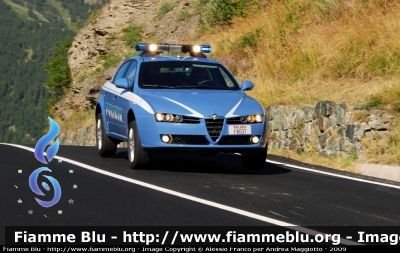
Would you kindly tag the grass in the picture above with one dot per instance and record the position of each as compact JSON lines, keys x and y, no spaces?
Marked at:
{"x":29,"y":55}
{"x":380,"y":150}
{"x":183,"y":14}
{"x":93,"y":14}
{"x":111,"y":60}
{"x":41,"y":17}
{"x":165,"y":8}
{"x":302,"y":52}
{"x":132,"y":34}
{"x":64,"y":13}
{"x":21,"y":11}
{"x":347,"y":51}
{"x":86,"y":75}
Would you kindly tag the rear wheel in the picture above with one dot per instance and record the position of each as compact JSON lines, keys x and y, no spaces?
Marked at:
{"x":254,"y":161}
{"x":138,"y":158}
{"x":105,"y":145}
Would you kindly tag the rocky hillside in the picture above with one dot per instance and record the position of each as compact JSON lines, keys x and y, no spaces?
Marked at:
{"x":103,"y":37}
{"x":352,"y":130}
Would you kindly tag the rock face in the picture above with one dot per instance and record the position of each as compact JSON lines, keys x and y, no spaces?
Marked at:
{"x":103,"y":37}
{"x":83,"y":137}
{"x":328,"y":129}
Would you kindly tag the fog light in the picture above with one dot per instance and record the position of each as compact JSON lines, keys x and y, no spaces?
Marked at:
{"x":166,"y":138}
{"x":255,"y":139}
{"x":243,"y":119}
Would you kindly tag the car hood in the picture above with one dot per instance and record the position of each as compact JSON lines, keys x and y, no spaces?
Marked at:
{"x":202,"y":103}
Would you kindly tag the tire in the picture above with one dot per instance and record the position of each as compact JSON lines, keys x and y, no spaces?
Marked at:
{"x":106,"y":146}
{"x":138,"y":158}
{"x":254,"y":161}
{"x":209,"y":154}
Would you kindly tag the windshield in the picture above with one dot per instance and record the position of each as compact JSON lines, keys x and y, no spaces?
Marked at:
{"x":185,"y":75}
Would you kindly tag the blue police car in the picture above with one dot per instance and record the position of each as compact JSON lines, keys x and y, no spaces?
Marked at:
{"x":181,"y":102}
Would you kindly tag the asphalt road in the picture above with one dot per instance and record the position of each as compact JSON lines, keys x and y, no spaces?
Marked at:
{"x":190,"y":190}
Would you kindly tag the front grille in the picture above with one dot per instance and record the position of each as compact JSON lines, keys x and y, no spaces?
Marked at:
{"x":190,"y":120}
{"x":235,"y":120}
{"x":214,"y":128}
{"x":235,"y":140}
{"x":189,"y":139}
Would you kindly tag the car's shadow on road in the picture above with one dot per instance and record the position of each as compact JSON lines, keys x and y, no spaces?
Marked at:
{"x":196,"y":163}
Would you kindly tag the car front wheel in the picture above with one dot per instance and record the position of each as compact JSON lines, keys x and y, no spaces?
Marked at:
{"x":138,"y":158}
{"x":105,"y":145}
{"x":254,"y":161}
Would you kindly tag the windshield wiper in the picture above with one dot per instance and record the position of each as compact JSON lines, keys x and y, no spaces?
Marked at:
{"x":158,"y":86}
{"x":208,"y":87}
{"x":187,"y":87}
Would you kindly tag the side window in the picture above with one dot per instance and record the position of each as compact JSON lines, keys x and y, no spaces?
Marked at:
{"x":121,"y":70}
{"x":131,"y":73}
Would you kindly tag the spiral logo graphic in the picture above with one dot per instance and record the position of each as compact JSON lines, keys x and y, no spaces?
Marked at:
{"x":39,"y":154}
{"x":45,"y":140}
{"x":33,"y":183}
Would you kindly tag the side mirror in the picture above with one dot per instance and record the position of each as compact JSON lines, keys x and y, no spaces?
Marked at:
{"x":122,"y":83}
{"x":247,"y":85}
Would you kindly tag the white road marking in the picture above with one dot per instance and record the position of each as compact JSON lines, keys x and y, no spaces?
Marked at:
{"x":296,"y":214}
{"x":333,"y":174}
{"x":330,"y":174}
{"x":278,"y":214}
{"x":196,"y":199}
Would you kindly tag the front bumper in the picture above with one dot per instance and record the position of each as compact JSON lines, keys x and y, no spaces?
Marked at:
{"x":205,"y":136}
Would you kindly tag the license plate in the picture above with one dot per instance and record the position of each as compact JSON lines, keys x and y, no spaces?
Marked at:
{"x":239,"y":129}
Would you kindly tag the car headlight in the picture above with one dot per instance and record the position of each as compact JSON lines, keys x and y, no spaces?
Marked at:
{"x":169,"y":117}
{"x":161,"y":117}
{"x":258,"y":118}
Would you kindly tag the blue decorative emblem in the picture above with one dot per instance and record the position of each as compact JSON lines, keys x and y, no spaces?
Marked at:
{"x":45,"y":140}
{"x":50,"y":153}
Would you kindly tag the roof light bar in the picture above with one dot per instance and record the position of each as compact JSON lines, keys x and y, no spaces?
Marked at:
{"x":158,"y":48}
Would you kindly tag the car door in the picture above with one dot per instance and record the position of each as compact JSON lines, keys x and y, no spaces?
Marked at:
{"x":114,"y":112}
{"x":122,"y":101}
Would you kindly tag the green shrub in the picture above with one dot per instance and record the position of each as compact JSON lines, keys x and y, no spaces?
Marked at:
{"x":184,"y":14}
{"x":86,"y":75}
{"x":222,"y":12}
{"x":165,"y":8}
{"x":92,"y":15}
{"x":250,"y":39}
{"x":132,"y":34}
{"x":111,"y":60}
{"x":60,"y":75}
